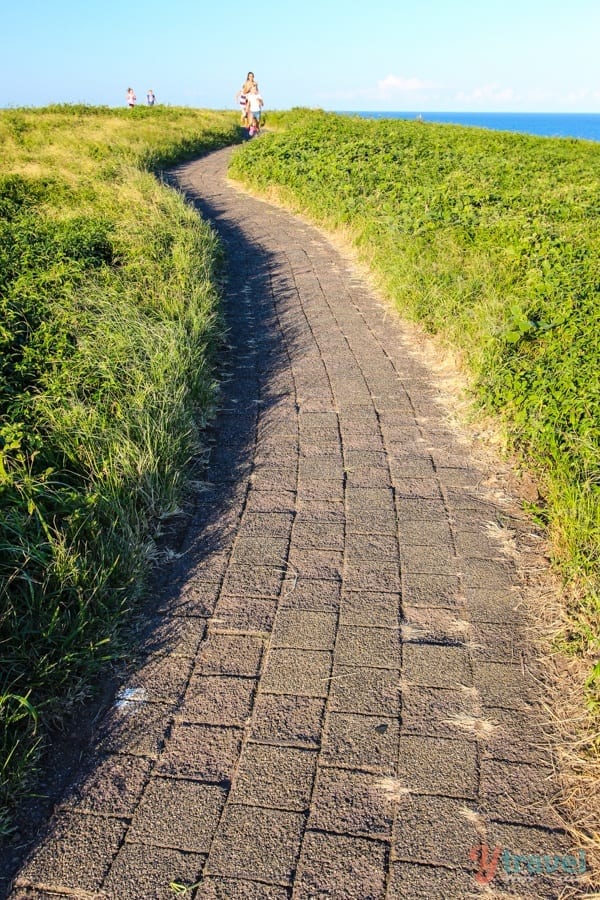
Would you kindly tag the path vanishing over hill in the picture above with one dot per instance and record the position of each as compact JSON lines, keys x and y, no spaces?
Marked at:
{"x":336,"y":698}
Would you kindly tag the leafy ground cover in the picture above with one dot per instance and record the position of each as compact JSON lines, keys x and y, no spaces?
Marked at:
{"x":108,"y":316}
{"x":490,"y":240}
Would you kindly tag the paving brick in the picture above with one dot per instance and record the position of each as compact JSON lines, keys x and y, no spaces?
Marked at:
{"x":114,"y":787}
{"x":342,"y":868}
{"x":360,"y":689}
{"x":287,"y":719}
{"x":175,"y":635}
{"x":536,"y":863}
{"x":349,"y":802}
{"x":303,"y":672}
{"x":325,"y":564}
{"x":435,"y":532}
{"x":320,"y":489}
{"x":160,"y":679}
{"x":364,"y":477}
{"x":311,"y":449}
{"x":140,"y":870}
{"x":259,"y":524}
{"x":436,"y":666}
{"x":404,"y":464}
{"x":495,"y":606}
{"x":374,"y":647}
{"x":319,"y":467}
{"x":217,"y":700}
{"x":474,"y":544}
{"x":523,"y":735}
{"x":238,"y":889}
{"x":319,"y":510}
{"x":371,"y":547}
{"x":311,"y":593}
{"x":420,"y":509}
{"x":261,"y":550}
{"x":432,"y":625}
{"x":178,"y":814}
{"x":196,"y":598}
{"x":76,"y":855}
{"x":244,"y":614}
{"x":498,"y":643}
{"x":319,"y":536}
{"x":337,"y":433}
{"x":254,"y":581}
{"x":487,"y":573}
{"x":502,"y":685}
{"x":358,"y":741}
{"x":135,"y":727}
{"x":375,"y":609}
{"x":414,"y":882}
{"x":518,"y":792}
{"x":435,"y":830}
{"x":271,"y":502}
{"x":429,"y":560}
{"x":304,"y":629}
{"x":204,"y":752}
{"x":376,"y":575}
{"x":231,"y":654}
{"x":433,"y":765}
{"x":279,"y":777}
{"x":359,"y":499}
{"x":431,"y":590}
{"x":273,"y":477}
{"x":439,"y":712}
{"x":256,"y":843}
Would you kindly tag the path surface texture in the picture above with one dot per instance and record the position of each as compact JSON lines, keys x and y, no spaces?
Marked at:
{"x":334,"y":697}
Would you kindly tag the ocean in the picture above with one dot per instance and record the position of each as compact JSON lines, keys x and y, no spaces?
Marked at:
{"x":585,"y":126}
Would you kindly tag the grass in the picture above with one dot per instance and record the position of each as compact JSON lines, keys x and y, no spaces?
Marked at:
{"x":109,"y":315}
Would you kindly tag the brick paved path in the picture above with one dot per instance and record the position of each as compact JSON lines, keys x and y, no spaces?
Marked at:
{"x":332,"y":701}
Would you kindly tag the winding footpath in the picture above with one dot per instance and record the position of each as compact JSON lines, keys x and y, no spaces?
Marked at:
{"x":335,"y":697}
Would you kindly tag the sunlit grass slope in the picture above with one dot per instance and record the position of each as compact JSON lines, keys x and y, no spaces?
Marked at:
{"x":490,"y":240}
{"x":108,"y":313}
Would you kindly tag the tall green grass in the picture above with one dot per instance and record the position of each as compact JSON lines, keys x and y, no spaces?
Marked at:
{"x":108,"y":318}
{"x":491,"y":241}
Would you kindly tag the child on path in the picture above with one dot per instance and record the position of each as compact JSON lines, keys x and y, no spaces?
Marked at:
{"x":255,"y":104}
{"x":150,"y":97}
{"x":131,"y":98}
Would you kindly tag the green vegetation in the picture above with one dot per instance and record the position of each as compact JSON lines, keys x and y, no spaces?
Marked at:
{"x":490,"y":240}
{"x":108,"y":312}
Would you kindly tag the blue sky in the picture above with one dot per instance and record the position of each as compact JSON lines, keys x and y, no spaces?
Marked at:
{"x":426,"y":55}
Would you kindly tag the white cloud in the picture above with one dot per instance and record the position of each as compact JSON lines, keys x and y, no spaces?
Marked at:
{"x":397,"y":84}
{"x":391,"y":88}
{"x":492,"y":93}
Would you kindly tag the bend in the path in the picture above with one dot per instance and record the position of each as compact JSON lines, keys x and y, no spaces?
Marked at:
{"x":335,"y":700}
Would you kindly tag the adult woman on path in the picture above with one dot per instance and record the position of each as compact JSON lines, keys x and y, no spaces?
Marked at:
{"x":242,"y":97}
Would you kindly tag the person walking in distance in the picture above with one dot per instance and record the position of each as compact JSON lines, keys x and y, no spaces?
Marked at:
{"x":242,"y":98}
{"x":150,"y":97}
{"x":131,"y":98}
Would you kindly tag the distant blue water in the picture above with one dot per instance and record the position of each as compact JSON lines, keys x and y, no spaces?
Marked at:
{"x":573,"y":125}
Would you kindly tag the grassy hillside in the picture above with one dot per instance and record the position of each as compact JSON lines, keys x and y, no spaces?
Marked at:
{"x":108,"y":313}
{"x":491,"y":241}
